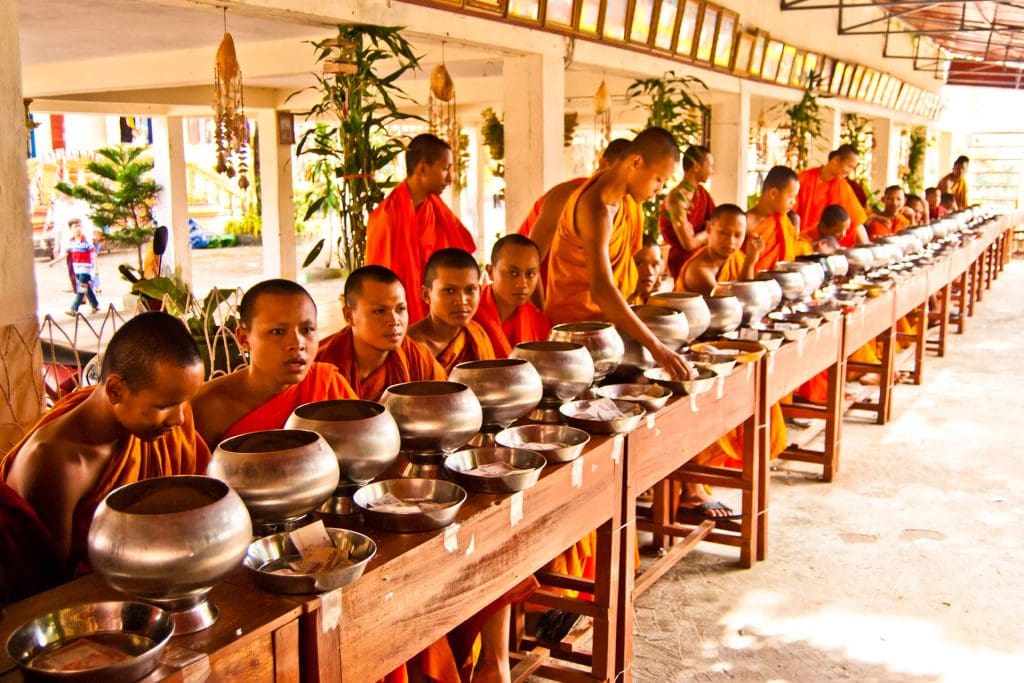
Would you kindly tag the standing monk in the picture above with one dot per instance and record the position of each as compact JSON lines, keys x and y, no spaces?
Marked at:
{"x":687,"y":208}
{"x":451,"y":291}
{"x":591,"y":269}
{"x":955,"y":182}
{"x":505,"y":310}
{"x":278,"y":330}
{"x":413,"y":222}
{"x":649,"y":268}
{"x":769,"y":218}
{"x":826,"y":185}
{"x":373,"y":351}
{"x":136,"y":424}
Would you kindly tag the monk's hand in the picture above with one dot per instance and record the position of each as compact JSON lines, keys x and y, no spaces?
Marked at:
{"x":677,"y":366}
{"x":755,"y":245}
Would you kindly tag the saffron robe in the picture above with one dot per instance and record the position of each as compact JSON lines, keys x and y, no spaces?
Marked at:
{"x":568,"y":287}
{"x":323,"y":382}
{"x":877,"y":229}
{"x":402,"y":237}
{"x":471,"y":343}
{"x":181,"y":451}
{"x":701,"y":206}
{"x":526,"y":227}
{"x":957,"y":188}
{"x":411,"y":362}
{"x":816,"y":194}
{"x":780,"y":237}
{"x":527,"y":323}
{"x":29,"y":563}
{"x":729,"y":271}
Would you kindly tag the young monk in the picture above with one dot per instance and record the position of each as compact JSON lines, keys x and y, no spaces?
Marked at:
{"x":834,"y":224}
{"x":723,"y":258}
{"x":948,"y":203}
{"x":591,"y":269}
{"x":451,"y":291}
{"x":920,"y":209}
{"x":955,"y":182}
{"x":413,"y":222}
{"x":136,"y":424}
{"x":687,"y":209}
{"x":373,"y":351}
{"x":826,"y":185}
{"x":769,"y":219}
{"x":277,"y":328}
{"x":649,"y":267}
{"x":894,"y":216}
{"x":933,"y":198}
{"x":505,"y":310}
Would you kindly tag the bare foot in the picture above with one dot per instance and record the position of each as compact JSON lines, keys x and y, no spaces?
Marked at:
{"x":695,"y":495}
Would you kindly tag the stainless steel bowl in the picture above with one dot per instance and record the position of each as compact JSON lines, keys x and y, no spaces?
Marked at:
{"x":560,"y":443}
{"x":705,"y":379}
{"x":828,"y":310}
{"x":431,"y":490}
{"x":281,"y":474}
{"x":651,"y":396}
{"x":457,"y":465}
{"x":790,"y":331}
{"x":635,"y":357}
{"x":434,"y":417}
{"x":138,"y":630}
{"x":601,"y":339}
{"x":813,"y":273}
{"x":632,"y":413}
{"x":838,"y":264}
{"x":363,"y":435}
{"x":273,"y":553}
{"x":860,"y":258}
{"x":566,"y":368}
{"x":774,"y":290}
{"x":743,"y":351}
{"x":168,"y":541}
{"x":754,"y":296}
{"x":667,"y":324}
{"x":726,"y":314}
{"x":769,"y":339}
{"x":791,"y":283}
{"x":809,"y":320}
{"x":693,"y":306}
{"x":507,"y":389}
{"x":718,"y":363}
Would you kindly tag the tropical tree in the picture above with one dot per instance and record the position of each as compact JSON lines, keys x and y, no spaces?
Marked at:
{"x":803,"y":126}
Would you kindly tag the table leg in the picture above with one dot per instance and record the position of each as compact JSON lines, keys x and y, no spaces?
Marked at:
{"x":887,"y":370}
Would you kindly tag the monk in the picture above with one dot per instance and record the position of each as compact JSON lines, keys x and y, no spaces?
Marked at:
{"x":591,"y":269}
{"x":826,"y":185}
{"x":277,"y":328}
{"x":649,"y":268}
{"x":413,"y":222}
{"x":373,"y":351}
{"x":135,"y":424}
{"x":451,"y":291}
{"x":769,"y":218}
{"x":687,"y":208}
{"x":920,"y":209}
{"x":505,"y":309}
{"x":28,"y":558}
{"x":893,"y":218}
{"x":955,"y":182}
{"x":723,"y":258}
{"x":933,"y":198}
{"x":834,"y":223}
{"x":948,"y":203}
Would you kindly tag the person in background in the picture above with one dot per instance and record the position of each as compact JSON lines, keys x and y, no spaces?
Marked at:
{"x":933,"y":198}
{"x":955,"y":182}
{"x":920,"y":209}
{"x":826,"y":185}
{"x":949,"y":202}
{"x":649,"y":267}
{"x":83,"y":262}
{"x":687,"y":208}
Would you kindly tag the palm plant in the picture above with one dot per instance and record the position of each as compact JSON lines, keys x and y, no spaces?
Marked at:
{"x":803,"y":127}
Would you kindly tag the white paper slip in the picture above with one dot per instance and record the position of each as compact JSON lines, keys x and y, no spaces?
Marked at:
{"x":720,"y":391}
{"x":538,"y":446}
{"x":451,"y":538}
{"x":693,"y":402}
{"x":493,"y":470}
{"x":603,"y":409}
{"x":516,"y":508}
{"x":577,"y":473}
{"x":310,"y":536}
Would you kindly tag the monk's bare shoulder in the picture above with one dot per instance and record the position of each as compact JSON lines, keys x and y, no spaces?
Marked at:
{"x":558,"y":195}
{"x":53,"y":465}
{"x":592,"y":214}
{"x":213,"y":406}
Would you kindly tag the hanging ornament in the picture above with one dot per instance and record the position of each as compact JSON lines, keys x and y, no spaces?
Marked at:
{"x":441,"y":106}
{"x":602,"y":119}
{"x":231,"y":129}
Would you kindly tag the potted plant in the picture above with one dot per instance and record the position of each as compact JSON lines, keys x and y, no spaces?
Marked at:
{"x":802,"y":128}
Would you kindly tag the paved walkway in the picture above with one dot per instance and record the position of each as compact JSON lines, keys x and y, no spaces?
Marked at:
{"x":910,"y":567}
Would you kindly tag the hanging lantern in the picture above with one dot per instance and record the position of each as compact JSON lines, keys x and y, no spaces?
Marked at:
{"x":602,"y":118}
{"x":441,"y":107}
{"x":230,"y":126}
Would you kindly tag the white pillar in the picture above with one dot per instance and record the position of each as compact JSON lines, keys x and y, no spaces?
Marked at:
{"x":885,"y":157}
{"x":172,"y":206}
{"x":730,"y":133}
{"x":945,"y":155}
{"x":276,"y":195}
{"x":831,"y":128}
{"x":534,"y":107}
{"x":482,"y":197}
{"x":20,"y":387}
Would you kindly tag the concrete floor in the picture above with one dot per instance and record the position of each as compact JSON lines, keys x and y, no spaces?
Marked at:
{"x":907,"y":568}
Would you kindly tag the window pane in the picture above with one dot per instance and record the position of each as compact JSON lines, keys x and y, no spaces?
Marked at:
{"x":615,"y":19}
{"x":688,"y":27}
{"x":559,"y":12}
{"x":589,"y":12}
{"x":643,"y":12}
{"x":526,"y":9}
{"x":706,"y":42}
{"x":666,"y":24}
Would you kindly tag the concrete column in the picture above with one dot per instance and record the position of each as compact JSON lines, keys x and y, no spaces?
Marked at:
{"x":172,"y":206}
{"x":276,"y":195}
{"x":832,"y":128}
{"x":21,"y":397}
{"x":534,"y":106}
{"x":482,"y":198}
{"x":730,"y":133}
{"x":945,"y":154}
{"x":885,"y":158}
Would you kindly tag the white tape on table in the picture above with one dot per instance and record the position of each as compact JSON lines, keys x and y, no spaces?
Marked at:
{"x":577,"y":473}
{"x":618,"y":443}
{"x":771,"y":362}
{"x":330,"y":608}
{"x":471,"y":546}
{"x":817,"y":333}
{"x":451,"y":538}
{"x":650,"y":423}
{"x":800,"y":347}
{"x":516,"y":508}
{"x":750,"y":371}
{"x":720,"y":390}
{"x":693,"y":403}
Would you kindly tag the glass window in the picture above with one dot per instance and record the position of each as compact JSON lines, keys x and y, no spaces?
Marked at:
{"x":757,"y":54}
{"x":706,"y":41}
{"x":688,"y":27}
{"x":643,"y":13}
{"x":559,"y":12}
{"x":590,"y":10}
{"x":615,"y":19}
{"x":666,"y":28}
{"x":524,"y":9}
{"x":725,"y":39}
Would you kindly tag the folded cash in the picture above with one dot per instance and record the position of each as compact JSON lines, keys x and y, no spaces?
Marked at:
{"x":538,"y":446}
{"x":494,"y":470}
{"x":603,"y":409}
{"x":319,"y":559}
{"x":80,"y":654}
{"x":310,"y":536}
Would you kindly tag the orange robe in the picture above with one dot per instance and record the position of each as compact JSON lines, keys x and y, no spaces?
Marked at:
{"x":816,"y":194}
{"x":780,"y":237}
{"x":471,"y":343}
{"x":402,"y":237}
{"x":803,"y":247}
{"x":181,"y":451}
{"x":527,"y":323}
{"x":411,"y":362}
{"x":877,"y":229}
{"x":28,"y":559}
{"x":323,"y":382}
{"x":568,"y":287}
{"x":731,"y":270}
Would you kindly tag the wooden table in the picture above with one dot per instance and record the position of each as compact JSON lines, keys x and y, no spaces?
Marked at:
{"x":255,"y":639}
{"x":873,"y":320}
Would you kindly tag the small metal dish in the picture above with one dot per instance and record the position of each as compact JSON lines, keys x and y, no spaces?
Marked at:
{"x":807,"y":319}
{"x":769,"y":338}
{"x":532,"y":462}
{"x":720,"y":364}
{"x":745,"y":351}
{"x":705,"y":379}
{"x":273,"y":553}
{"x":652,"y":397}
{"x":828,"y":311}
{"x":791,"y":331}
{"x":427,"y":490}
{"x":135,"y":629}
{"x":632,"y":413}
{"x":560,"y":442}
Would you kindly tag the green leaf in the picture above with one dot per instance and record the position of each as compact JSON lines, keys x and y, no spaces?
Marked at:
{"x":314,"y":252}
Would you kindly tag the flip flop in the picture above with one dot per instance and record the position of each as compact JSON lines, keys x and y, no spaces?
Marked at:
{"x":702,"y":510}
